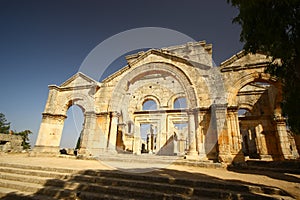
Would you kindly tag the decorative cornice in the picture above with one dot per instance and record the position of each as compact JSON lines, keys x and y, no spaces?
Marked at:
{"x":115,"y":114}
{"x":244,"y":67}
{"x":51,"y":115}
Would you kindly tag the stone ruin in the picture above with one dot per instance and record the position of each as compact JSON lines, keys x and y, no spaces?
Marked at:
{"x":10,"y":143}
{"x":173,"y":101}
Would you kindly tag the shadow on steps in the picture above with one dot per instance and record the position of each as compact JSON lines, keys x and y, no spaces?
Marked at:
{"x":157,"y":184}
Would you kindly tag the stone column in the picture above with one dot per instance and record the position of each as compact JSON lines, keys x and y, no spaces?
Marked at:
{"x":161,"y":132}
{"x":192,"y":152}
{"x":137,"y":139}
{"x":219,"y":116}
{"x":235,"y":135}
{"x":113,"y":132}
{"x":50,"y":133}
{"x":87,"y":134}
{"x":283,"y":138}
{"x":201,"y":136}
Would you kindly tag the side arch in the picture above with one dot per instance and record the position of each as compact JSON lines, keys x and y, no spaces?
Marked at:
{"x":58,"y":103}
{"x":247,"y":79}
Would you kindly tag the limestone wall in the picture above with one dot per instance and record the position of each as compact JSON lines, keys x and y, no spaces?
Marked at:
{"x":10,"y":143}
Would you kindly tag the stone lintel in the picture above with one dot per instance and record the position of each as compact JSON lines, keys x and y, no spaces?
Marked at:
{"x":255,"y":118}
{"x":161,"y":111}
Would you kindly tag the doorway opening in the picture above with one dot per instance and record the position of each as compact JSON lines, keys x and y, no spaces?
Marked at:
{"x":73,"y":126}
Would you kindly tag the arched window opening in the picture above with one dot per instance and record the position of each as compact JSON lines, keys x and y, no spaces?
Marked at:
{"x":73,"y":126}
{"x":180,"y":103}
{"x":149,"y":105}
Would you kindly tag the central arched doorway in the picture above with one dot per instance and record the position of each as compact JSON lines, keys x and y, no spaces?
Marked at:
{"x":157,"y":95}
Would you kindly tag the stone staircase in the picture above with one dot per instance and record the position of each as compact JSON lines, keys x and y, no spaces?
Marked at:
{"x":18,"y":181}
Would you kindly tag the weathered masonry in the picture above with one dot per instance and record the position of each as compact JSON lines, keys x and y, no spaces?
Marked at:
{"x":172,"y":101}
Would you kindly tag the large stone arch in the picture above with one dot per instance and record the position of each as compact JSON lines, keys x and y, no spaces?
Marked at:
{"x":60,"y":99}
{"x":154,"y":67}
{"x":247,"y":78}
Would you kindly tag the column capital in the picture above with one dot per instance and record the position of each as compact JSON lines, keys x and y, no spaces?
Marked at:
{"x":191,"y":111}
{"x":219,"y":106}
{"x":279,"y":119}
{"x":90,"y":114}
{"x":232,"y":108}
{"x":115,"y":114}
{"x":50,"y":115}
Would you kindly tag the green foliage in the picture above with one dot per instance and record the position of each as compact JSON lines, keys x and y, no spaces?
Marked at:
{"x":4,"y":125}
{"x":25,"y":138}
{"x":273,"y":27}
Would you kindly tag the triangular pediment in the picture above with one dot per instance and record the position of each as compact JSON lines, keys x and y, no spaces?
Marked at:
{"x":244,"y":60}
{"x":160,"y":56}
{"x":79,"y":79}
{"x":149,"y":56}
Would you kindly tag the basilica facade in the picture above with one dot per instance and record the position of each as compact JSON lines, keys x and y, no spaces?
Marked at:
{"x":173,"y":101}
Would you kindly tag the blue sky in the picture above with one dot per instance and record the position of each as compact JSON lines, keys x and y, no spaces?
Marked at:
{"x":44,"y":42}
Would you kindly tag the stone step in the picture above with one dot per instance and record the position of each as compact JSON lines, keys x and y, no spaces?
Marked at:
{"x":84,"y":181}
{"x":133,"y":179}
{"x":116,"y":184}
{"x":87,"y":190}
{"x":29,"y":172}
{"x":24,"y":178}
{"x":13,"y":194}
{"x":24,"y":190}
{"x":4,"y":191}
{"x":176,"y":160}
{"x":40,"y":168}
{"x":21,"y":186}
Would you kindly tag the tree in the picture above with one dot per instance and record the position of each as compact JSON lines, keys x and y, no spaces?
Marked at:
{"x":4,"y":125}
{"x":273,"y":27}
{"x":25,"y":138}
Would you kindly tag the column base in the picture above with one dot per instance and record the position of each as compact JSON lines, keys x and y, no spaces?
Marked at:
{"x":111,"y":151}
{"x":238,"y":158}
{"x":192,"y":155}
{"x":50,"y":149}
{"x":203,"y":157}
{"x":225,"y":158}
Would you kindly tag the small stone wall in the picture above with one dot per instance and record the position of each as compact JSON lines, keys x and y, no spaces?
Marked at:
{"x":10,"y":143}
